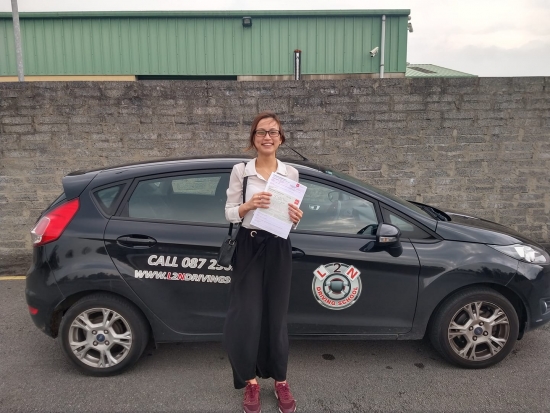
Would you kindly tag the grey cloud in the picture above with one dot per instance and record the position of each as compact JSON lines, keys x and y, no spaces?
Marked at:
{"x":533,"y":59}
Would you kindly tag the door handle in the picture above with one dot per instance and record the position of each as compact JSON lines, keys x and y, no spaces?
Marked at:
{"x":314,"y":207}
{"x":297,"y":253}
{"x":136,"y":241}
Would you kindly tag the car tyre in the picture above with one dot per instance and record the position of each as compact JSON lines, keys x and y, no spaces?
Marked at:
{"x":475,"y":328}
{"x":103,"y":334}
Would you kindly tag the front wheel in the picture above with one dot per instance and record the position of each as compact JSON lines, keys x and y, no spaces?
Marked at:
{"x":475,"y":328}
{"x":103,"y":334}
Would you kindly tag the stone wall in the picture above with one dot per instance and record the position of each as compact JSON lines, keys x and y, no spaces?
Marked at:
{"x":479,"y":145}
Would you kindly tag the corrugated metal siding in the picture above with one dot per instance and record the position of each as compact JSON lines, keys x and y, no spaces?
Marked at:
{"x":396,"y":44}
{"x":203,"y":46}
{"x":336,"y":45}
{"x":8,"y":65}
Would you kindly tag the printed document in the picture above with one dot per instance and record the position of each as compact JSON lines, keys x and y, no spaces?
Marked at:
{"x":275,"y":219}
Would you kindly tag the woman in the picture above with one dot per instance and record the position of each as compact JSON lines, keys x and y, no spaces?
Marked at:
{"x":255,"y":331}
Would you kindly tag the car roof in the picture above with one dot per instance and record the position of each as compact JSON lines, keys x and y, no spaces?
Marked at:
{"x":75,"y":182}
{"x":221,"y":161}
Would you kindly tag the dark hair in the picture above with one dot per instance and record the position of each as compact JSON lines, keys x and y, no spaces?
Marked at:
{"x":257,"y":119}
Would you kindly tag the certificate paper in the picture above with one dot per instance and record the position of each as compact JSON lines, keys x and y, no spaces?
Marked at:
{"x":275,"y":219}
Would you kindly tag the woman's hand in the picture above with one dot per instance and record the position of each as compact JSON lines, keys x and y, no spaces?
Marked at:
{"x":258,"y":200}
{"x":295,"y":213}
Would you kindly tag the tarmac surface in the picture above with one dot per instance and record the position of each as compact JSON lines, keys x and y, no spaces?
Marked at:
{"x":325,"y":376}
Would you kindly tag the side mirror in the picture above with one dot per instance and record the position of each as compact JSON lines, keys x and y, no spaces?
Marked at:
{"x":387,"y":235}
{"x":387,"y":239}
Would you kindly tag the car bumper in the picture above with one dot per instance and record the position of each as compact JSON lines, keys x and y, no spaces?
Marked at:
{"x":43,"y":294}
{"x":532,"y":283}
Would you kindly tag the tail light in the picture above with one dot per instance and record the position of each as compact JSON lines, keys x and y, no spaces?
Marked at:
{"x":51,"y":226}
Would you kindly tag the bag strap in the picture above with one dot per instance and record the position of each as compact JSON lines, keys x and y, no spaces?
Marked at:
{"x":245,"y":183}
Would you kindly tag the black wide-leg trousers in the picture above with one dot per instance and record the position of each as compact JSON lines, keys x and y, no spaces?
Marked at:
{"x":255,"y":333}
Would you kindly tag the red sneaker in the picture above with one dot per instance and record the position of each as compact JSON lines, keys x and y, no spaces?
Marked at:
{"x":251,"y":402}
{"x":287,"y":404}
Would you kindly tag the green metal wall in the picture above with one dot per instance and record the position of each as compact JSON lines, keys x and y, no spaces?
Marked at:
{"x":204,"y":44}
{"x":8,"y":66}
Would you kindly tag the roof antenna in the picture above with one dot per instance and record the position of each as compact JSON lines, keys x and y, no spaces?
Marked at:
{"x":296,"y":152}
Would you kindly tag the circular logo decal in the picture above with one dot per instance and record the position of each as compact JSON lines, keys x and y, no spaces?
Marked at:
{"x":336,"y":285}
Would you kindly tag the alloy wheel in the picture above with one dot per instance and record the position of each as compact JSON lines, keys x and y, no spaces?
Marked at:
{"x":100,"y":337}
{"x":478,"y":331}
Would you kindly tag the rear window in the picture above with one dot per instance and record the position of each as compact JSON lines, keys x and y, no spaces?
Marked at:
{"x":199,"y":185}
{"x":106,"y":198}
{"x":196,"y":198}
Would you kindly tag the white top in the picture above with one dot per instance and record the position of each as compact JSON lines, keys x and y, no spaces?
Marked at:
{"x":256,"y":183}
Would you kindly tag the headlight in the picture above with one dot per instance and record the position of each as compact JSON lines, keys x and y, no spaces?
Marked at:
{"x":522,"y":252}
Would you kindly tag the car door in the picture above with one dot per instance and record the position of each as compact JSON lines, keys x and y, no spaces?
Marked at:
{"x":337,"y":288}
{"x":164,"y":241}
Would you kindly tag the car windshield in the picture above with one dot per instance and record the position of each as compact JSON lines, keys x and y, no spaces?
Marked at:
{"x":377,"y":190}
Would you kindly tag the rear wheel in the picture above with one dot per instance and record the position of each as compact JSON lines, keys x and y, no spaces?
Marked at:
{"x":475,"y":328}
{"x":103,"y":334}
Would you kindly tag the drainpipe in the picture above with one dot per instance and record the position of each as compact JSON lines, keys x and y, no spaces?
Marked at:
{"x":297,"y":64}
{"x":17,"y":36}
{"x":382,"y":46}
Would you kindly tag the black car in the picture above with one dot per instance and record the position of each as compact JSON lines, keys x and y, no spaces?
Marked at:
{"x":126,"y":257}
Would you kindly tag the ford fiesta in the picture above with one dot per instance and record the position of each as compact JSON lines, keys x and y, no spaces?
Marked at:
{"x":126,"y":257}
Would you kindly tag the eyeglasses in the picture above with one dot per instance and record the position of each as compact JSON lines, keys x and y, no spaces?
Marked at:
{"x":274,"y":133}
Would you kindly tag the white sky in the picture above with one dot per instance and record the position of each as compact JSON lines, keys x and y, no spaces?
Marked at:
{"x":482,"y":37}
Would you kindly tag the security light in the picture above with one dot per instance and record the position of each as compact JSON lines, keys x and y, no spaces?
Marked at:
{"x":247,"y":21}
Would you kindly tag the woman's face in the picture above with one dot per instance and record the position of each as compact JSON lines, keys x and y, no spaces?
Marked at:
{"x":267,"y":145}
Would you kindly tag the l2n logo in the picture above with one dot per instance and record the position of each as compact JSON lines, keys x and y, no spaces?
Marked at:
{"x":336,"y":285}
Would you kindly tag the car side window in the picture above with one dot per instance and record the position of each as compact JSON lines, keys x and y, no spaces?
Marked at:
{"x":188,"y":198}
{"x":407,"y":228}
{"x":106,"y":198}
{"x":329,"y":209}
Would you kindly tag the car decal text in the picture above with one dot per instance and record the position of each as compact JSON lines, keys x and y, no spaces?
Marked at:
{"x":181,"y":276}
{"x":186,"y":262}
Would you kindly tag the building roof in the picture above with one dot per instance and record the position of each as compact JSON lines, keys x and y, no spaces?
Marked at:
{"x":427,"y":70}
{"x":211,"y":13}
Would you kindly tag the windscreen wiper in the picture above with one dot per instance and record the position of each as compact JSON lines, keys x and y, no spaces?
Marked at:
{"x":433,"y":212}
{"x":296,"y":152}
